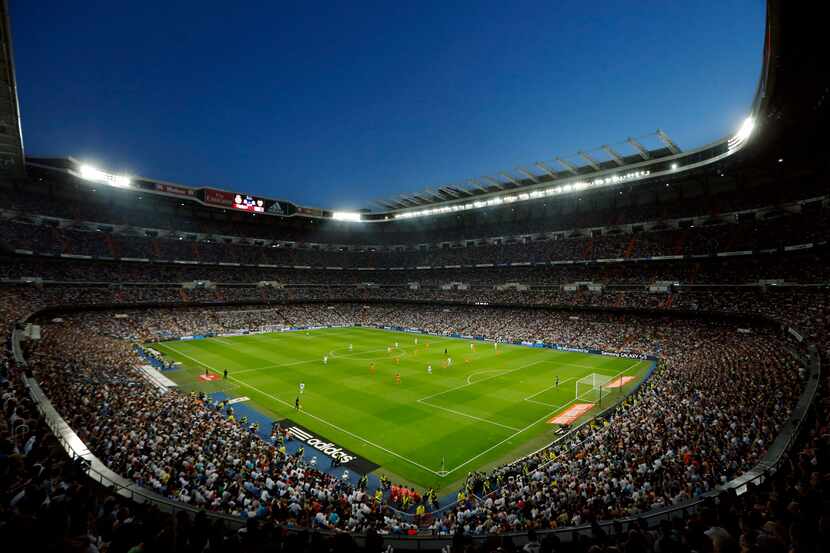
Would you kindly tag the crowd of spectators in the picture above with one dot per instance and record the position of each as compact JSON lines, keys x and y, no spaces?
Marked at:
{"x":714,"y":404}
{"x":50,"y":197}
{"x":651,"y":453}
{"x":809,"y":266}
{"x":801,"y":306}
{"x":719,"y":237}
{"x":49,"y":504}
{"x":180,"y":446}
{"x":602,"y":472}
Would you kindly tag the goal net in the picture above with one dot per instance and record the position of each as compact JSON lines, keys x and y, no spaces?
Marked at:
{"x":593,"y":387}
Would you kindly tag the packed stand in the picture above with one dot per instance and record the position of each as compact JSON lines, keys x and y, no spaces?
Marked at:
{"x":719,"y":237}
{"x":101,"y":372}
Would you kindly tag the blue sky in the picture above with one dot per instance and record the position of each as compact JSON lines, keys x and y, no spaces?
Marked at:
{"x":334,"y":104}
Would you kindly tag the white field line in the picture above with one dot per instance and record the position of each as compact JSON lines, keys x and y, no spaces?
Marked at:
{"x":506,"y":371}
{"x":537,"y":421}
{"x":488,"y":421}
{"x":324,"y":421}
{"x":528,"y":398}
{"x":471,"y":375}
{"x":320,"y":360}
{"x":243,"y":371}
{"x":482,"y":380}
{"x":438,"y":339}
{"x":543,"y":390}
{"x":551,"y":405}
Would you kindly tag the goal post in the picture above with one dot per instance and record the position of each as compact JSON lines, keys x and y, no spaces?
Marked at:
{"x":593,"y":388}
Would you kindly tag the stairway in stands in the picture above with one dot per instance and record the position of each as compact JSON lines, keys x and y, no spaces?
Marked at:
{"x":285,"y":319}
{"x":680,"y":242}
{"x":64,"y":242}
{"x":112,"y":246}
{"x":340,"y":315}
{"x":692,"y":278}
{"x":630,"y":248}
{"x":588,"y":249}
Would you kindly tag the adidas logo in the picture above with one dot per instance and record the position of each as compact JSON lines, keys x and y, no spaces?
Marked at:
{"x":329,"y":448}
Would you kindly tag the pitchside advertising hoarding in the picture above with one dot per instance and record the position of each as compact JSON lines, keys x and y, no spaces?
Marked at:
{"x":312,"y":440}
{"x":165,"y":188}
{"x":558,"y":347}
{"x":623,"y":354}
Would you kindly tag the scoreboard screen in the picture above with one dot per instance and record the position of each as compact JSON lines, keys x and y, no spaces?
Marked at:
{"x":245,"y":202}
{"x":248,"y":203}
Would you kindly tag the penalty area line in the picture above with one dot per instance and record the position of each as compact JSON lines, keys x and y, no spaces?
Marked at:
{"x":543,"y":390}
{"x":537,"y":421}
{"x":486,"y":371}
{"x":551,"y":405}
{"x":507,"y":371}
{"x":469,"y":416}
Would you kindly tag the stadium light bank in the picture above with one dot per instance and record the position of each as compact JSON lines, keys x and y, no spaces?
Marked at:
{"x":530,"y":195}
{"x":736,"y":142}
{"x":346,"y":216}
{"x":733,"y":145}
{"x":90,"y":173}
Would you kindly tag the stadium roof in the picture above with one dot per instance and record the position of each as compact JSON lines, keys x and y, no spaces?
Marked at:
{"x":582,"y":164}
{"x":789,"y":107}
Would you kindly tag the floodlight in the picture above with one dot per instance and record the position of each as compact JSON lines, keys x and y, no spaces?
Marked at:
{"x":90,"y":173}
{"x":345,"y":216}
{"x":746,"y":129}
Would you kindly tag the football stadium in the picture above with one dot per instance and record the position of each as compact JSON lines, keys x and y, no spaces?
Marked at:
{"x":620,"y":350}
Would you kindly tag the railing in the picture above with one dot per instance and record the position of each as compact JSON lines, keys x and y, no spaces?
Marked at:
{"x":94,"y":467}
{"x":765,"y":468}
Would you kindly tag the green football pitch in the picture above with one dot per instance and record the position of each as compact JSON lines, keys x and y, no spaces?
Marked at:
{"x":488,"y":406}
